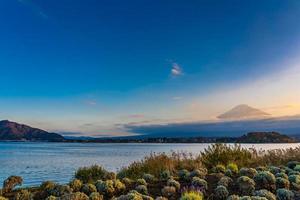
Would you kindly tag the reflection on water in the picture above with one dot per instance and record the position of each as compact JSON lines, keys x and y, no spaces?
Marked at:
{"x":37,"y":162}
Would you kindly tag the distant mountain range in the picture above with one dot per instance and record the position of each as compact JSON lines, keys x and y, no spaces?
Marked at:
{"x":19,"y":132}
{"x":236,"y":122}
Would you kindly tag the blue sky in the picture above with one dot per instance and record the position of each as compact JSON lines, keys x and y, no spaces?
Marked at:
{"x":92,"y":66}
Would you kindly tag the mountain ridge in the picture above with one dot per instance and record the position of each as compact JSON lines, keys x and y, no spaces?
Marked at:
{"x":12,"y":131}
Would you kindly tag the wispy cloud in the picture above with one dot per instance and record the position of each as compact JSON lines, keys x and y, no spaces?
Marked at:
{"x":91,"y":102}
{"x":176,"y":70}
{"x":177,"y":98}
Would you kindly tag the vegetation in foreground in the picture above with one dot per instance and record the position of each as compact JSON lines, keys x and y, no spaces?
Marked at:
{"x":221,"y":172}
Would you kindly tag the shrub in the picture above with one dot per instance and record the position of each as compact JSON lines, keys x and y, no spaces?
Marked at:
{"x":47,"y":186}
{"x":258,"y":198}
{"x":132,"y":195}
{"x":191,"y":195}
{"x":225,"y":181}
{"x":127,"y":181}
{"x":11,"y":182}
{"x":157,"y":198}
{"x":146,"y":197}
{"x":201,"y":173}
{"x":284,"y":194}
{"x":168,"y":191}
{"x":246,"y":185}
{"x":165,"y":175}
{"x":76,"y":185}
{"x":219,"y":168}
{"x":174,"y":183}
{"x":24,"y":195}
{"x":233,"y":197}
{"x":141,"y":181}
{"x":224,"y":154}
{"x":142,"y":189}
{"x":228,"y":173}
{"x":90,"y":174}
{"x":282,"y":183}
{"x":281,"y":175}
{"x":292,"y":164}
{"x":294,"y":182}
{"x":221,"y":192}
{"x":250,"y":172}
{"x":297,"y":168}
{"x":184,"y":174}
{"x":265,"y":193}
{"x":88,"y":188}
{"x":233,"y":168}
{"x":201,"y":183}
{"x":106,"y":187}
{"x":265,"y":180}
{"x":148,"y":177}
{"x":75,"y":196}
{"x":274,"y":170}
{"x":50,"y":198}
{"x":293,"y":173}
{"x":249,"y":198}
{"x":60,"y":190}
{"x":95,"y":196}
{"x":119,"y":186}
{"x":110,"y":176}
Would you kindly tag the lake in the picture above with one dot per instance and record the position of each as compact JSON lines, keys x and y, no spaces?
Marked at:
{"x":38,"y":162}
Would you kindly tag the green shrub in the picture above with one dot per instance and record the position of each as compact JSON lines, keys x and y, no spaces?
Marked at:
{"x":297,"y":168}
{"x":119,"y":186}
{"x":24,"y":195}
{"x":88,"y":188}
{"x":47,"y":186}
{"x":282,"y":183}
{"x":76,"y":185}
{"x":219,"y":169}
{"x":11,"y":182}
{"x":174,"y":183}
{"x":149,"y":178}
{"x":258,"y":198}
{"x":142,"y":189}
{"x":106,"y":187}
{"x":110,"y":176}
{"x":265,"y":193}
{"x":221,"y":192}
{"x":184,"y":174}
{"x":233,"y":168}
{"x":132,"y":195}
{"x":75,"y":196}
{"x":192,"y":195}
{"x":60,"y":190}
{"x":168,"y":191}
{"x":157,"y":198}
{"x":233,"y":197}
{"x":127,"y":181}
{"x":201,"y":183}
{"x":294,"y":182}
{"x":146,"y":197}
{"x":224,"y":154}
{"x":165,"y":175}
{"x":281,"y":175}
{"x":141,"y":181}
{"x":250,"y":198}
{"x":292,"y":164}
{"x":250,"y":172}
{"x":293,"y":173}
{"x":91,"y":174}
{"x":246,"y":185}
{"x":95,"y":196}
{"x":225,"y":181}
{"x":265,"y":180}
{"x":274,"y":170}
{"x":201,"y":173}
{"x":284,"y":194}
{"x":228,"y":173}
{"x":49,"y":198}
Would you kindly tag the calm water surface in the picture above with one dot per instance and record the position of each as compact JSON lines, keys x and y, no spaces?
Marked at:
{"x":37,"y":162}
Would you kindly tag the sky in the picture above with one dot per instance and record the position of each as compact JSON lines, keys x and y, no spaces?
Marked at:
{"x":91,"y":67}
